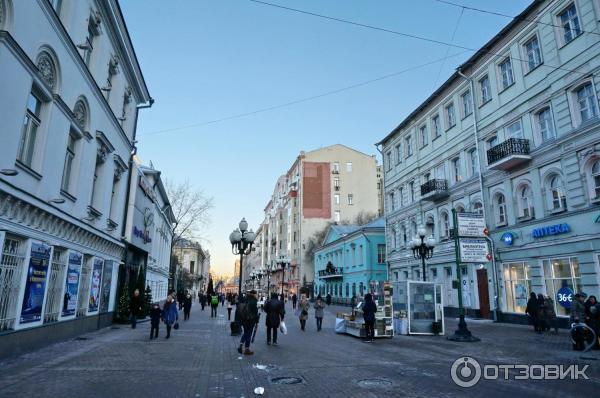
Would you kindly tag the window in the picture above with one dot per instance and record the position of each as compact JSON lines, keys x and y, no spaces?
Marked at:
{"x":336,"y":167}
{"x":586,"y":102}
{"x":336,"y":198}
{"x":408,"y":145}
{"x":515,"y":130}
{"x":337,"y":216}
{"x":411,"y":189}
{"x":517,"y":286}
{"x":525,"y":202}
{"x":336,"y":183}
{"x":473,"y":161}
{"x":570,"y":23}
{"x":68,"y":166}
{"x":491,"y":142}
{"x":360,"y":254}
{"x":533,"y":53}
{"x":401,"y":194}
{"x":350,"y":199}
{"x":558,"y":199}
{"x":29,"y":130}
{"x":467,"y":103}
{"x":448,"y":271}
{"x":388,"y":158}
{"x":485,"y":89}
{"x":430,"y":226}
{"x":559,"y":273}
{"x":426,"y":177}
{"x":435,"y":123}
{"x":500,"y":213}
{"x":349,"y":167}
{"x":506,"y":73}
{"x":478,"y":208}
{"x":392,"y":204}
{"x":92,"y":32}
{"x":398,"y":154}
{"x":394,"y":238}
{"x":460,"y":209}
{"x":434,"y":273}
{"x":450,"y":116}
{"x":445,"y":227}
{"x":423,"y":133}
{"x":380,"y":255}
{"x":596,"y":178}
{"x":456,"y":170}
{"x":544,"y":124}
{"x":403,"y":236}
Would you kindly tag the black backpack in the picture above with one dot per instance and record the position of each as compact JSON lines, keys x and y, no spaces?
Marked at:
{"x":244,"y":311}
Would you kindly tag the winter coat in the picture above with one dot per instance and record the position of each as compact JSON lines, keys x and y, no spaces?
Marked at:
{"x":304,"y":306}
{"x":135,"y":305}
{"x":533,"y":307}
{"x":252,"y":304}
{"x":319,"y":306}
{"x":187,"y":303}
{"x":275,"y":312}
{"x":549,"y":312}
{"x":369,"y":309}
{"x":155,"y":315}
{"x":170,"y":314}
{"x":577,"y":311}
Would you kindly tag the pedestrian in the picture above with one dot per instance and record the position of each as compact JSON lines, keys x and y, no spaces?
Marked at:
{"x":303,"y":307}
{"x":222,"y":297}
{"x":170,"y":315}
{"x":180,"y":297}
{"x":328,"y":299}
{"x":369,"y":309}
{"x":155,"y":316}
{"x":214,"y":304}
{"x":592,"y":315}
{"x":203,"y":301}
{"x":275,"y":312}
{"x":229,"y":308}
{"x":135,"y":308}
{"x":294,"y":300}
{"x":187,"y":306}
{"x":578,"y":316}
{"x":248,"y":313}
{"x":541,"y":313}
{"x":532,"y":310}
{"x":550,"y":314}
{"x":199,"y":297}
{"x":319,"y":306}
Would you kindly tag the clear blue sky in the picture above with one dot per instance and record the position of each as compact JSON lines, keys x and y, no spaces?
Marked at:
{"x":206,"y":60}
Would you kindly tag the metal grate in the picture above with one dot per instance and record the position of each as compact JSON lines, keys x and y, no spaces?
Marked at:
{"x":11,"y":267}
{"x":84,"y":287}
{"x":56,"y":281}
{"x":512,"y":146}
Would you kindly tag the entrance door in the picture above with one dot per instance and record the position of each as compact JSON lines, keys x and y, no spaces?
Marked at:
{"x":484,"y":295}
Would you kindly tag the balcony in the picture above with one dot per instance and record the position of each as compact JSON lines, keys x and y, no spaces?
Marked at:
{"x":330,"y":273}
{"x":508,"y":154}
{"x":434,"y":189}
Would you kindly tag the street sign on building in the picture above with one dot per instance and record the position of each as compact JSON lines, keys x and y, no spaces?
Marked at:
{"x":474,"y":250}
{"x":471,"y":224}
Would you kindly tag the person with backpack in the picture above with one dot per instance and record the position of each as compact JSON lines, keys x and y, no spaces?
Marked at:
{"x":275,"y":313}
{"x":248,"y":314}
{"x":170,"y":315}
{"x":369,"y":309}
{"x":214,"y":304}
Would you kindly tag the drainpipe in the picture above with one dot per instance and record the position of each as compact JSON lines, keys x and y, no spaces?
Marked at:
{"x":383,"y":195}
{"x":476,"y":136}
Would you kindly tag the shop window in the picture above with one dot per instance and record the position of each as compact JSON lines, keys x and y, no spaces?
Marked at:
{"x":517,"y":286}
{"x":559,"y":273}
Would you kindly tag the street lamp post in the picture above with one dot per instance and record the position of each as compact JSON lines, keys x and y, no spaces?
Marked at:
{"x":422,"y":248}
{"x":241,"y":240}
{"x":259,"y":275}
{"x":268,"y":271}
{"x":283,"y":262}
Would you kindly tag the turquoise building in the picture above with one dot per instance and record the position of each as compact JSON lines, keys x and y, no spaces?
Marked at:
{"x":351,"y":261}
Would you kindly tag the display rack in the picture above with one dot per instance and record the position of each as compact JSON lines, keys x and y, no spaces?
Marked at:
{"x":384,"y":326}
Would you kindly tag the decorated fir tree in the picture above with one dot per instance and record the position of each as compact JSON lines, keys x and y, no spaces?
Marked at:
{"x":210,"y":290}
{"x":141,"y":286}
{"x":147,"y":299}
{"x":123,"y":308}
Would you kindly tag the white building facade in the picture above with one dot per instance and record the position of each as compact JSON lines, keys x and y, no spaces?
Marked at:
{"x":69,"y":94}
{"x":514,"y":134}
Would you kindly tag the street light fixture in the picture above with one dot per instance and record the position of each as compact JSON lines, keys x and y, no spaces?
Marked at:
{"x":241,"y":243}
{"x":422,"y":248}
{"x":283,"y":262}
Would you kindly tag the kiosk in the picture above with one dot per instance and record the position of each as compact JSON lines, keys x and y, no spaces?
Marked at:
{"x":354,"y":325}
{"x":422,"y":302}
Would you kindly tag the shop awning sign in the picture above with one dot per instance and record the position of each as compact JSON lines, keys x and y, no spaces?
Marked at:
{"x":474,"y":250}
{"x":471,"y":224}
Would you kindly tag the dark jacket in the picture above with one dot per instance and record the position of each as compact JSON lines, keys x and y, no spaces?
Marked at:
{"x":187,"y":303}
{"x":155,"y":315}
{"x":275,"y":312}
{"x":369,"y":309}
{"x":135,"y":305}
{"x":252,"y":304}
{"x":533,"y":307}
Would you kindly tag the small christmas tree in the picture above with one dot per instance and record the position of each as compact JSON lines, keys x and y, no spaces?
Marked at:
{"x":210,"y":290}
{"x":147,"y":299}
{"x":142,"y":288}
{"x":123,"y":308}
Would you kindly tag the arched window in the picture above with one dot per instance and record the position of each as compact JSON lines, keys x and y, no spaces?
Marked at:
{"x":596,"y":178}
{"x":413,"y":228}
{"x":478,"y":208}
{"x":500,"y":209}
{"x":430,"y":226}
{"x":47,"y":68}
{"x":460,"y":209}
{"x":445,"y":225}
{"x":525,"y":202}
{"x":558,"y":200}
{"x":403,"y":235}
{"x":394,"y":238}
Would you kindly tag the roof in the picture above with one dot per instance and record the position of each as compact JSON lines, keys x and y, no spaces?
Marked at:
{"x":338,"y":145}
{"x":483,"y":51}
{"x":343,"y":231}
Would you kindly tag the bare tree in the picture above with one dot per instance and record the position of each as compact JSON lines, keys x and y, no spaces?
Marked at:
{"x":316,"y":240}
{"x":191,"y":208}
{"x":364,"y":217}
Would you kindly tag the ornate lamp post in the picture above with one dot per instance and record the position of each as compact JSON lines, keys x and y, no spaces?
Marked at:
{"x":422,"y":248}
{"x":259,"y":276}
{"x":268,"y":272}
{"x":283,"y":262}
{"x":241,"y":243}
{"x":253,"y":277}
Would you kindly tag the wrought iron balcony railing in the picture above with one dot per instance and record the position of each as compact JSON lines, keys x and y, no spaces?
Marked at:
{"x":435,"y":185}
{"x":510,"y":147}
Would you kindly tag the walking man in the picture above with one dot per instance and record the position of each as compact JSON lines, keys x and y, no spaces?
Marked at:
{"x":214,"y":304}
{"x":248,"y":315}
{"x":202,"y":300}
{"x":294,"y":300}
{"x":369,"y":310}
{"x":187,"y":306}
{"x":275,"y":313}
{"x":135,"y":307}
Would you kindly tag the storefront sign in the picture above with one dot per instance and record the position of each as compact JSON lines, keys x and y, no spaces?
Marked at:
{"x":471,"y":224}
{"x":474,"y":251}
{"x":143,"y":235}
{"x":35,"y":285}
{"x":95,"y":285}
{"x":507,"y":238}
{"x":551,"y":230}
{"x":72,"y":283}
{"x":564,"y":297}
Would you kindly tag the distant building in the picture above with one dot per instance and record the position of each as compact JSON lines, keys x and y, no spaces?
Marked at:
{"x":196,"y":261}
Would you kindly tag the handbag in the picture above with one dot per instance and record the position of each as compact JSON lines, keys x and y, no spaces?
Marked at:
{"x":176,"y":325}
{"x":282,"y":327}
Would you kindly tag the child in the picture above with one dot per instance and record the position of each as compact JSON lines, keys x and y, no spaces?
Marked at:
{"x":155,"y":315}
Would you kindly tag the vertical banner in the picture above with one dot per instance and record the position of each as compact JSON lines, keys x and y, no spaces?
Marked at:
{"x":106,"y":285}
{"x":35,"y":284}
{"x":95,"y":285}
{"x":72,"y":284}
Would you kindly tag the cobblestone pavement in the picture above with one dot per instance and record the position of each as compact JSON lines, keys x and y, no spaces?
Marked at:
{"x":200,"y":360}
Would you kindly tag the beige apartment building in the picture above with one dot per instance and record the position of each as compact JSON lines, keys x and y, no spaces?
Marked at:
{"x":334,"y":184}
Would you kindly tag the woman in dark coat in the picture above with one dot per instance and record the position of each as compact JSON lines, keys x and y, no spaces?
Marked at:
{"x":369,"y":309}
{"x":187,"y":306}
{"x":592,"y":317}
{"x":532,"y":310}
{"x":275,"y":313}
{"x":541,"y":313}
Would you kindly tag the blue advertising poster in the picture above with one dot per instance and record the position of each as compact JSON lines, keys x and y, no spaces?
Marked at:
{"x":564,"y":297}
{"x":106,"y":284}
{"x":95,"y":285}
{"x":35,"y":285}
{"x":72,"y":283}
